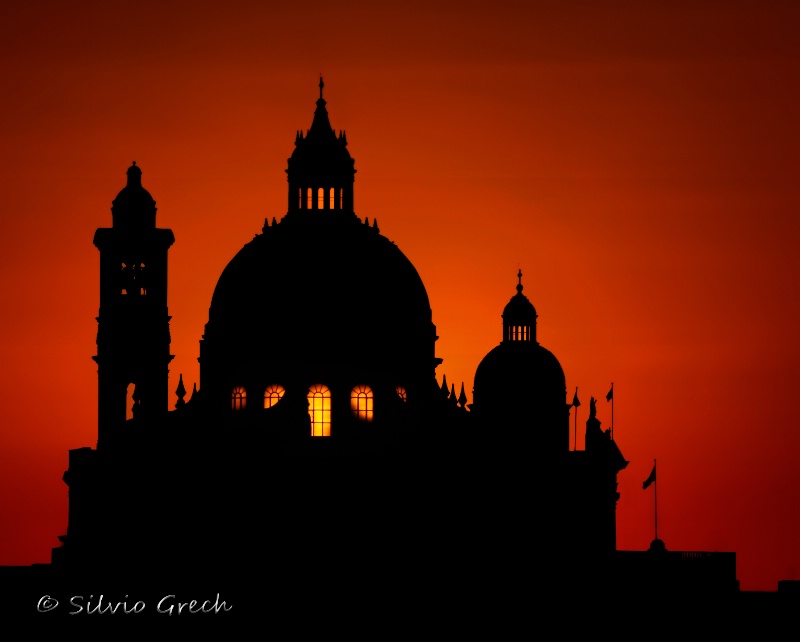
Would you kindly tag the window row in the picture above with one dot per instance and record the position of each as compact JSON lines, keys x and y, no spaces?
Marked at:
{"x":518,"y":333}
{"x":320,"y":198}
{"x":319,"y":403}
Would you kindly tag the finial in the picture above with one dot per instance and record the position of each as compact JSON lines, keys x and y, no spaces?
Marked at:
{"x":181,"y":393}
{"x":321,"y":85}
{"x":519,"y":285}
{"x":462,"y":398}
{"x":134,"y":163}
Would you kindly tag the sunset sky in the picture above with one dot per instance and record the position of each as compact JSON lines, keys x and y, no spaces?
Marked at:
{"x":638,"y":161}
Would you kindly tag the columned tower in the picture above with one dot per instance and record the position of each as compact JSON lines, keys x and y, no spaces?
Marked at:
{"x":133,"y":325}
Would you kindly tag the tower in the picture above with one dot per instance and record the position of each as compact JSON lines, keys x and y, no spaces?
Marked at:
{"x":133,"y":324}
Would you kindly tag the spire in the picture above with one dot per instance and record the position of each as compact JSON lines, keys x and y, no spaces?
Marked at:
{"x":462,"y":398}
{"x":181,"y":393}
{"x":321,"y":125}
{"x":519,"y":285}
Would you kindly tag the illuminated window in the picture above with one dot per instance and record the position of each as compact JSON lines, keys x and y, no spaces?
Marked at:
{"x":361,"y":402}
{"x":273,"y":394}
{"x":332,"y":196}
{"x":401,"y":392}
{"x":308,"y":199}
{"x":319,"y":409}
{"x":300,"y":198}
{"x":238,"y":398}
{"x":320,"y":199}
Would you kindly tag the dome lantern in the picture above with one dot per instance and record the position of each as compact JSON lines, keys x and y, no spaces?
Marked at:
{"x":321,"y":171}
{"x":519,"y":317}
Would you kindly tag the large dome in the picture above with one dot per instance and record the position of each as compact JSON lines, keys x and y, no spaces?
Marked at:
{"x":320,"y":298}
{"x":322,"y":289}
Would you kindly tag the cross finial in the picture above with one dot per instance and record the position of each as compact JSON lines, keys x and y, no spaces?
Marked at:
{"x":321,"y":85}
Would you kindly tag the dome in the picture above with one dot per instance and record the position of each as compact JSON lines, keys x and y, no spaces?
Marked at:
{"x":321,"y":290}
{"x":520,"y":368}
{"x":520,"y":385}
{"x":319,"y":297}
{"x":519,"y":310}
{"x":133,"y":207}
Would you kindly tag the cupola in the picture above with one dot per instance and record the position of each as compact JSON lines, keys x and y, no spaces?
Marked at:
{"x":519,"y":317}
{"x":321,"y":171}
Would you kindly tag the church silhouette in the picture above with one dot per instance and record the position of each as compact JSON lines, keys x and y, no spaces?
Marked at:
{"x":319,"y":443}
{"x":318,"y":423}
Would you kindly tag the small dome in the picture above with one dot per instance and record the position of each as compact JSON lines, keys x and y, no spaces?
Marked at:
{"x":520,"y":388}
{"x":134,"y":206}
{"x":520,"y":368}
{"x":520,"y":310}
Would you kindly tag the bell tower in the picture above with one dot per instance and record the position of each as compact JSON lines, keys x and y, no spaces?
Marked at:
{"x":133,"y":325}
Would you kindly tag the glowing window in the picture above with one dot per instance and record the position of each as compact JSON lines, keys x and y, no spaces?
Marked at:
{"x":401,"y":392}
{"x":332,"y":197}
{"x":308,"y":199}
{"x":361,"y":401}
{"x":319,"y":409}
{"x":238,"y":398}
{"x":273,"y":394}
{"x":320,"y":198}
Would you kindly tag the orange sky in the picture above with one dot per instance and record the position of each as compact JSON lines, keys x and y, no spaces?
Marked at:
{"x":640,"y":162}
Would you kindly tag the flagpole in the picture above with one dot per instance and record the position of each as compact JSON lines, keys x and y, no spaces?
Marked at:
{"x":612,"y":411}
{"x":655,"y":498}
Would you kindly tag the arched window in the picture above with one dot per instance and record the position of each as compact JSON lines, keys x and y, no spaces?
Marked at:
{"x":308,"y":198}
{"x":332,"y":197}
{"x":320,"y":198}
{"x":319,"y":409}
{"x":238,"y":398}
{"x":401,"y":392}
{"x":273,"y":394}
{"x":361,"y":401}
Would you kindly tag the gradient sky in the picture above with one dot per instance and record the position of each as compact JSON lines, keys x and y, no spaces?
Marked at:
{"x":639,"y":161}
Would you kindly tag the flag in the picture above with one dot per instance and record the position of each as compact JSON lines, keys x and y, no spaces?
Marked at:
{"x":610,"y":394}
{"x":650,"y":479}
{"x":575,"y":401}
